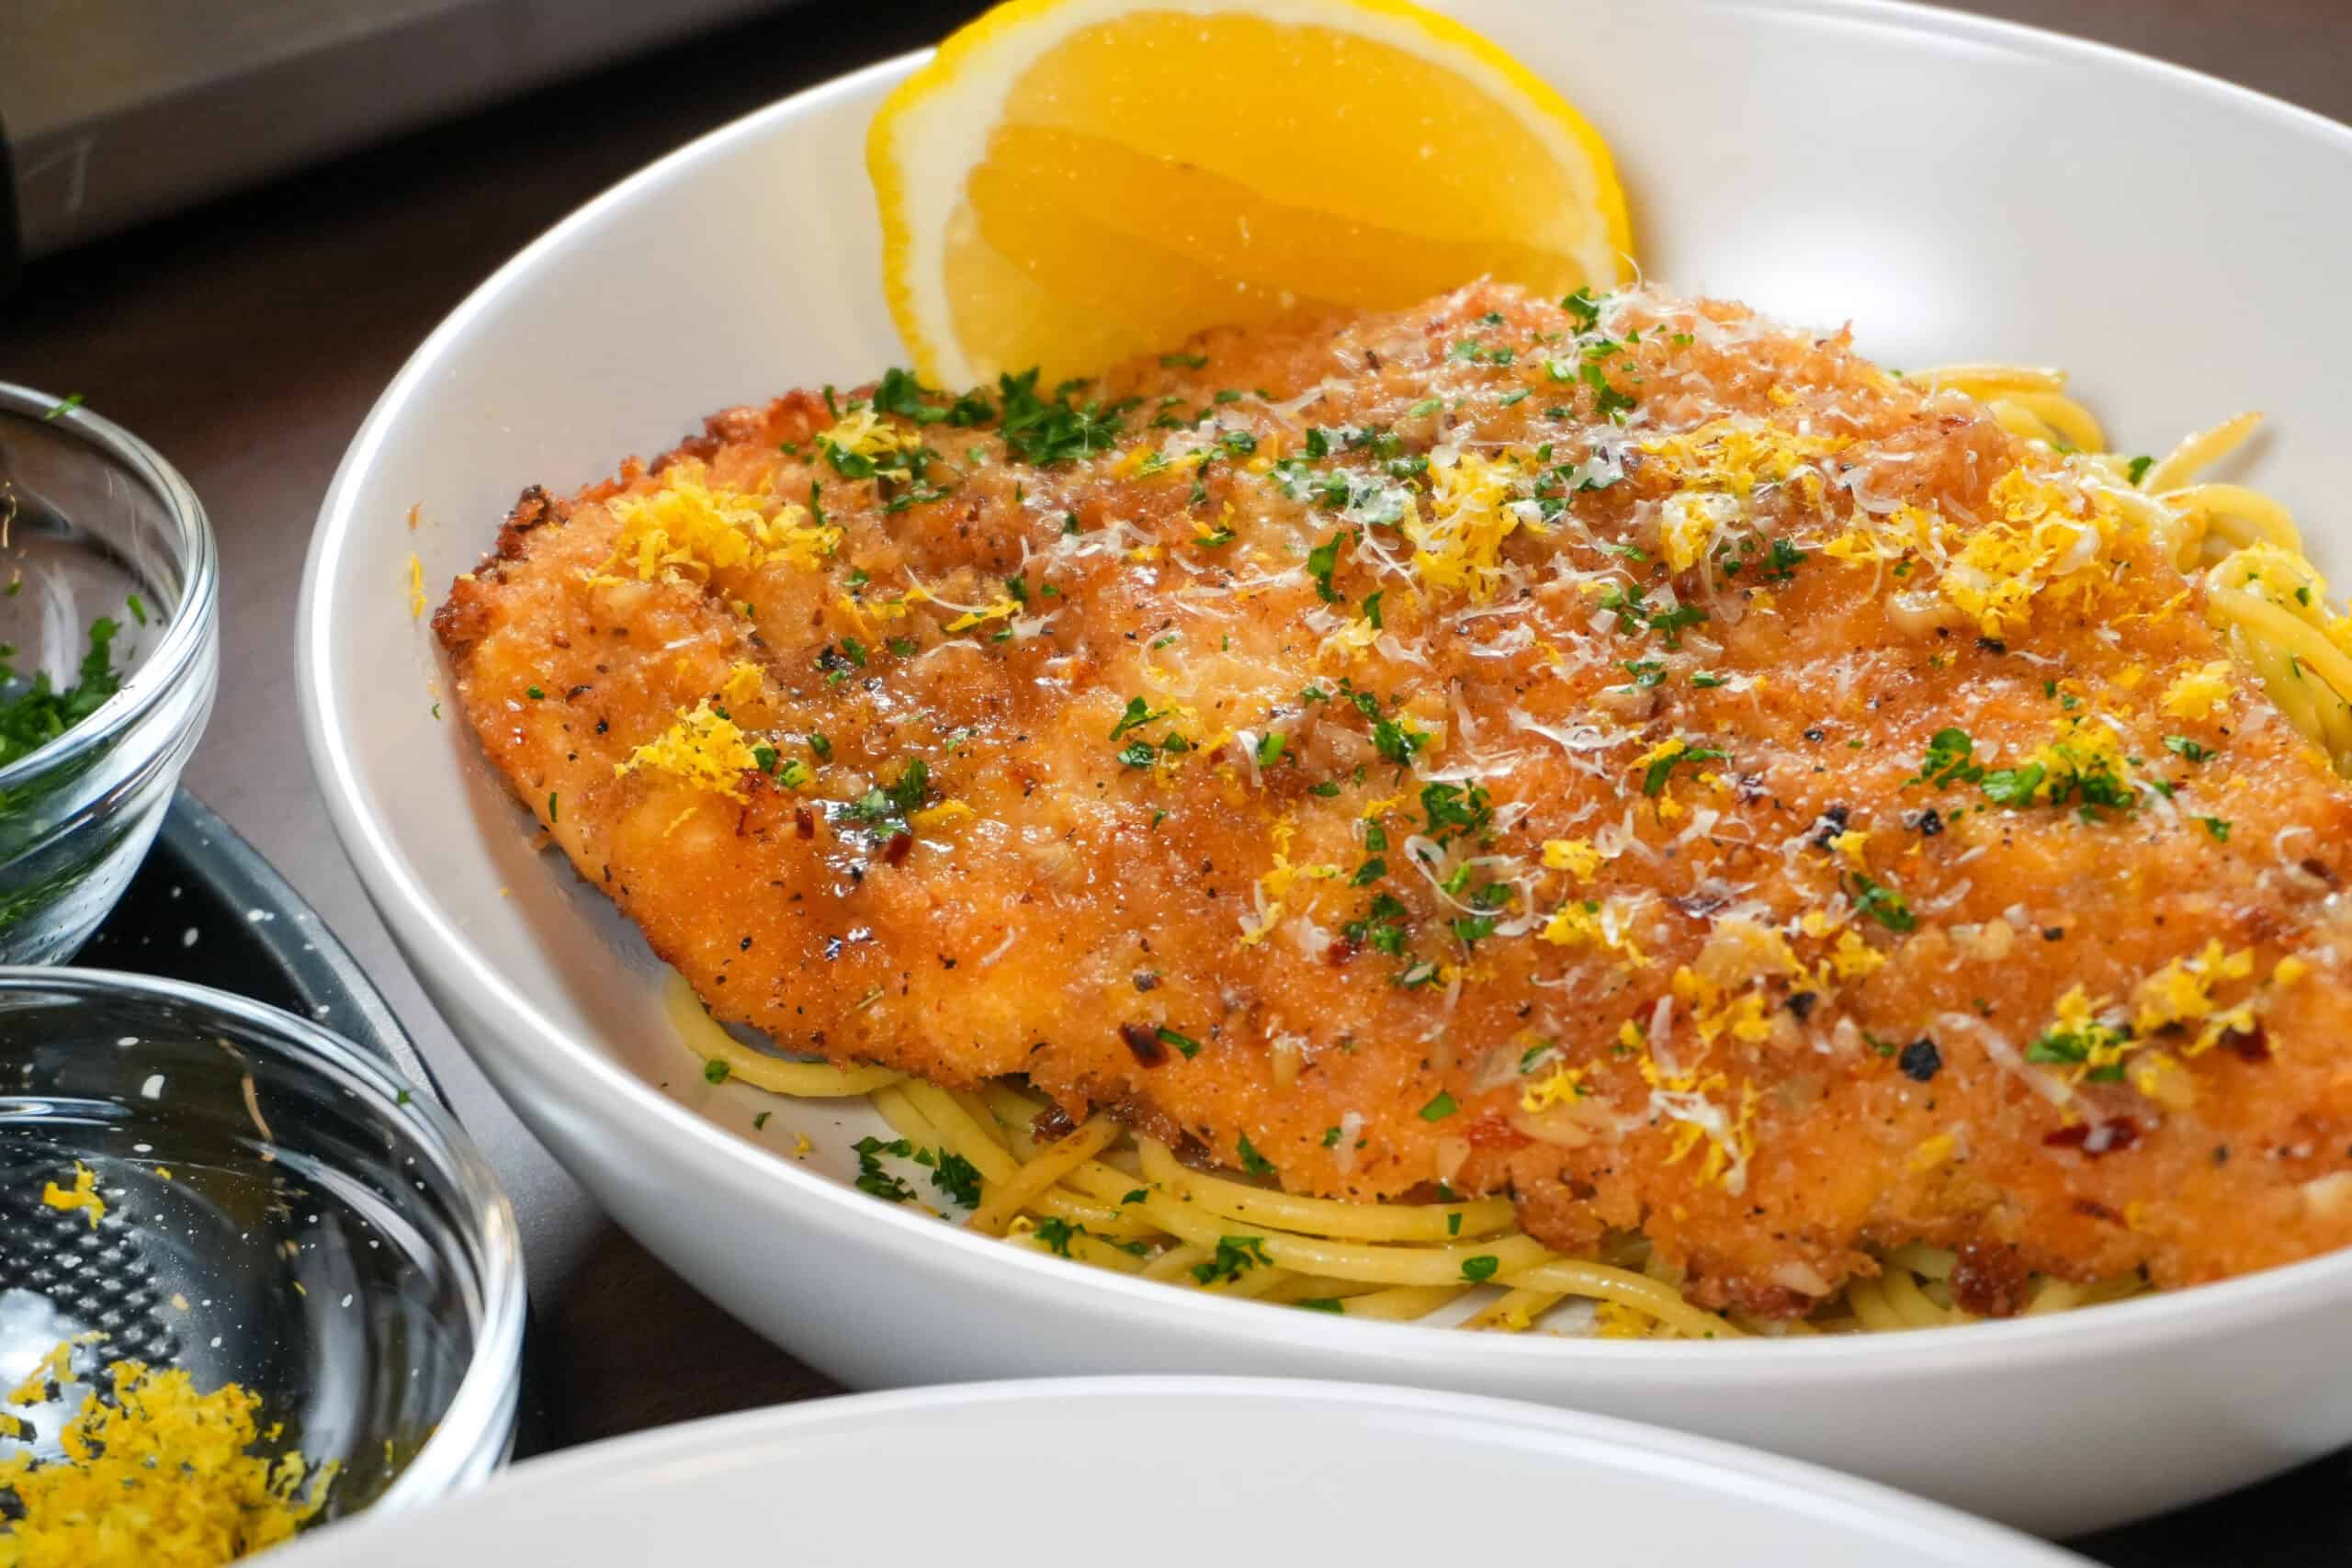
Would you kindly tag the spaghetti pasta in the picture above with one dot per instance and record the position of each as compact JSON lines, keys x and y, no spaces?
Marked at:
{"x":1106,"y":1196}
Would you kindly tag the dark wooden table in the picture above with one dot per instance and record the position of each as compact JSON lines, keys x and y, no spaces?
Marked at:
{"x":247,"y":339}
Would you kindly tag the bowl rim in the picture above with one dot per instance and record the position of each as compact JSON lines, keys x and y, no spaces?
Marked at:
{"x":180,"y":655}
{"x":508,"y":1025}
{"x":476,"y":1429}
{"x":771,"y":1435}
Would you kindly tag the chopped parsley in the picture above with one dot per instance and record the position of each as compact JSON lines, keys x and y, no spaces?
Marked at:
{"x":1236,"y":1255}
{"x":1252,"y":1161}
{"x":1946,"y":760}
{"x":2092,"y":1044}
{"x":42,"y":712}
{"x":1438,"y":1108}
{"x":1636,"y":616}
{"x":901,"y":394}
{"x":1656,"y":776}
{"x":957,"y":1177}
{"x":1045,"y":431}
{"x":888,"y":807}
{"x":1480,"y":1269}
{"x":2182,"y":745}
{"x":1137,"y":713}
{"x":2014,"y":786}
{"x":1184,"y":1047}
{"x":1882,"y":903}
{"x":1321,"y":562}
{"x":2218,"y":827}
{"x":871,"y":1176}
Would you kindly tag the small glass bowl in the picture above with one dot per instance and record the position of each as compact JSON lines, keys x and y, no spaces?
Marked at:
{"x":281,"y":1212}
{"x":93,"y":524}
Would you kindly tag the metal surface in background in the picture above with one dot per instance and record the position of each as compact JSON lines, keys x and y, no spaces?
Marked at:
{"x":118,"y":111}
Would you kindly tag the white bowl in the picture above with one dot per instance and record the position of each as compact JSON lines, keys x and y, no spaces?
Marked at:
{"x":1171,"y":1473}
{"x":1960,"y":188}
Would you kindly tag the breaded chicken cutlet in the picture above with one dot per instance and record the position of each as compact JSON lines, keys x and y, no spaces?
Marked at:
{"x":1629,"y":756}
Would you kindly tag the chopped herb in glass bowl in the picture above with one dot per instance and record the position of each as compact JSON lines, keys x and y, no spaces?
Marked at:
{"x":108,"y":656}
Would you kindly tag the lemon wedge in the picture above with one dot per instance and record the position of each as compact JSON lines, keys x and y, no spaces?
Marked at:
{"x":1070,"y":182}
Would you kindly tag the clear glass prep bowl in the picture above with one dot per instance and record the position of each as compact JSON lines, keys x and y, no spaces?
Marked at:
{"x":325,"y":1236}
{"x":94,"y":524}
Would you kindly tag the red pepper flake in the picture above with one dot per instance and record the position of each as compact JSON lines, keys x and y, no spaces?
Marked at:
{"x":1990,"y":1279}
{"x":898,"y":847}
{"x":1144,"y":1040}
{"x":1491,"y":1132}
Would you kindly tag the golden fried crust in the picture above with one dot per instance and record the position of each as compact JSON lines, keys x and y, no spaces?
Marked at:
{"x":1193,"y":943}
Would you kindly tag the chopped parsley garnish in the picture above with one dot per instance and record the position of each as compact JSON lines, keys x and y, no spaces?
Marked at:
{"x":2182,"y":745}
{"x":873,"y":1179}
{"x":2014,"y":786}
{"x":2218,"y":827}
{"x":1330,"y":1137}
{"x":41,"y":713}
{"x":958,"y":1178}
{"x":1882,"y":903}
{"x":2092,"y":1043}
{"x":1236,"y":1255}
{"x":889,"y":805}
{"x":1634,"y":614}
{"x":1481,"y":1268}
{"x":1138,"y":713}
{"x":1055,"y":1233}
{"x":1321,"y":561}
{"x":1045,"y":431}
{"x":715,"y":1071}
{"x":1438,"y":1108}
{"x":1656,"y":776}
{"x":1269,"y":748}
{"x":901,"y":394}
{"x":1321,"y":1303}
{"x":1608,"y":402}
{"x":2138,"y":467}
{"x":1584,"y":307}
{"x":1782,"y":564}
{"x":1184,"y":1047}
{"x":1184,"y":361}
{"x":1946,"y":760}
{"x":1252,"y":1161}
{"x":1452,"y":809}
